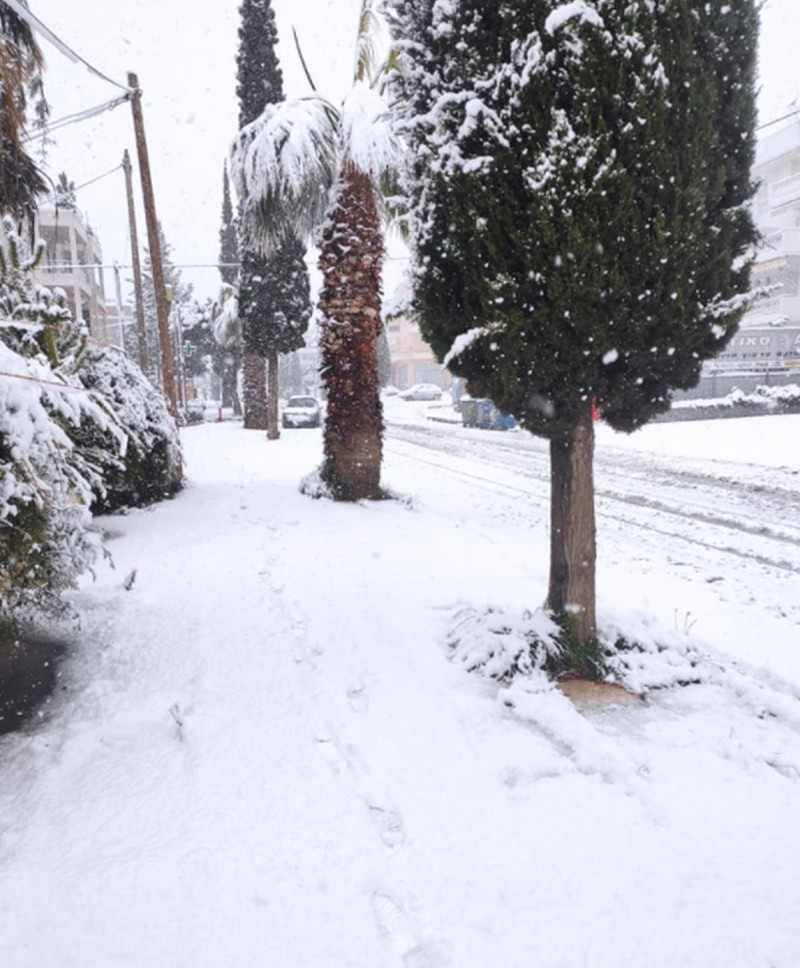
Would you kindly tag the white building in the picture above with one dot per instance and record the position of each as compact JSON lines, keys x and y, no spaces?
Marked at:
{"x":766,"y":349}
{"x":776,"y":209}
{"x":72,"y":262}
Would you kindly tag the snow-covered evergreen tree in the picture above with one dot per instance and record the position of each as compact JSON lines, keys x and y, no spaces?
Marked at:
{"x":65,"y":192}
{"x":80,"y":427}
{"x":274,"y":296}
{"x":228,"y":241}
{"x":384,"y":359}
{"x":181,"y":294}
{"x":227,"y":359}
{"x":579,"y":182}
{"x":291,"y":374}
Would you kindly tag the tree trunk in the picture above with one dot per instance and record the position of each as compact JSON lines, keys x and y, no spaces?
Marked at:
{"x":236,"y":362}
{"x":255,"y":392}
{"x":573,"y":550}
{"x":273,"y":430}
{"x":351,"y":254}
{"x":227,"y":371}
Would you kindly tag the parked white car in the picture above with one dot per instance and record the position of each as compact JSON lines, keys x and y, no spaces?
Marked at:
{"x":422,"y":391}
{"x":301,"y":412}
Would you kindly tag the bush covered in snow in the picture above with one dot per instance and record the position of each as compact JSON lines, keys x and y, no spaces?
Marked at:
{"x":80,"y":426}
{"x":505,"y":647}
{"x":499,"y":646}
{"x":45,"y":486}
{"x":147,"y":468}
{"x":768,"y":397}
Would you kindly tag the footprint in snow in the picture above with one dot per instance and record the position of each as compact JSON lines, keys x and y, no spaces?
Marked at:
{"x":358,"y":698}
{"x":394,"y":926}
{"x":332,"y":754}
{"x":389,"y":824}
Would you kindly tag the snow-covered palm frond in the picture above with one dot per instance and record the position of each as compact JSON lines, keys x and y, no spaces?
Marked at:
{"x":369,"y":138}
{"x":225,"y":317}
{"x":283,"y":167}
{"x":366,"y":42}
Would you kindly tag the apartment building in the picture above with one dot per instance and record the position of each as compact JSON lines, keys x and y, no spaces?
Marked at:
{"x":411,"y":358}
{"x":776,"y":209}
{"x":766,"y":349}
{"x":72,"y":262}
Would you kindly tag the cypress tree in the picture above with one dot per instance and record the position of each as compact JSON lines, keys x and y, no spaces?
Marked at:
{"x":384,"y":355}
{"x":226,"y":360}
{"x":274,"y":293}
{"x":579,"y":182}
{"x":228,"y":242}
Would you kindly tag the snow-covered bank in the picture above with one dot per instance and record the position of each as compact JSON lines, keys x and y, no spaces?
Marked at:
{"x":265,"y":757}
{"x":763,"y":441}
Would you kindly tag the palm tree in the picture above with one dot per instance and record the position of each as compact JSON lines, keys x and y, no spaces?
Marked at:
{"x":305,"y":164}
{"x":21,"y":66}
{"x":227,"y":328}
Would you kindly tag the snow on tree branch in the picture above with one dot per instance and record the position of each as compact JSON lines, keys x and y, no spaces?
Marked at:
{"x":289,"y":153}
{"x":368,"y":132}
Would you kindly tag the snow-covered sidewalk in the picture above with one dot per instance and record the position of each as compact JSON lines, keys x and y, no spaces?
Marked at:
{"x":263,"y":757}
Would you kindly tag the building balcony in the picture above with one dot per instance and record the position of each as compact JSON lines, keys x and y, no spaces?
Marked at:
{"x":84,"y":274}
{"x":776,"y":245}
{"x":773,"y":311}
{"x":784,"y":192}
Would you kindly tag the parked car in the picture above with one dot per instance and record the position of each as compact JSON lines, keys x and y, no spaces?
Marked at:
{"x":422,"y":391}
{"x":301,"y":412}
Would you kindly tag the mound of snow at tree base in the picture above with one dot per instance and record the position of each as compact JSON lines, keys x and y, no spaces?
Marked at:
{"x":265,"y":757}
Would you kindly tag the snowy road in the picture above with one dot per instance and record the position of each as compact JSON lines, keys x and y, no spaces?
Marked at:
{"x":725,"y":514}
{"x":735,"y":502}
{"x":732,"y":524}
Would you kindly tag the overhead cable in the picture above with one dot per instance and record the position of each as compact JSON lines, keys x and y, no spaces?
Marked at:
{"x":93,"y":180}
{"x":77,"y":188}
{"x":785,"y":117}
{"x":48,"y":128}
{"x":33,"y":21}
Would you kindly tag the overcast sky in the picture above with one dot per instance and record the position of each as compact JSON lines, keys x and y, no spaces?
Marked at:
{"x":184,"y":54}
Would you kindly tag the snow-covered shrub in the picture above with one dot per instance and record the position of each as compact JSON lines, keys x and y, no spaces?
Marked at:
{"x":147,"y":469}
{"x":527,"y":649}
{"x":79,"y":426}
{"x":45,"y":485}
{"x":501,"y":646}
{"x":45,"y":488}
{"x":772,"y":398}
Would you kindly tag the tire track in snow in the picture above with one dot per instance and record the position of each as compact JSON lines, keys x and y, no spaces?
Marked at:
{"x":777,"y":547}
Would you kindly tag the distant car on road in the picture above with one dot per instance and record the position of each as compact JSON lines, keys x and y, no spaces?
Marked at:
{"x":301,"y":412}
{"x":422,"y":391}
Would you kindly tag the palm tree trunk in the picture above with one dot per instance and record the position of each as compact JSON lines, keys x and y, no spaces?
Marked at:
{"x":573,"y":550}
{"x":255,"y":392}
{"x":273,"y":430}
{"x":351,"y":255}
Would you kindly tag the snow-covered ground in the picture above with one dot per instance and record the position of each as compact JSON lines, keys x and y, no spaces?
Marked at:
{"x":264,"y":757}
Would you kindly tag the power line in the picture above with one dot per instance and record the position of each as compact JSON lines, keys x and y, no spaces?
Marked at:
{"x":46,"y":129}
{"x":77,"y":188}
{"x":768,"y":124}
{"x":33,"y":21}
{"x":86,"y":184}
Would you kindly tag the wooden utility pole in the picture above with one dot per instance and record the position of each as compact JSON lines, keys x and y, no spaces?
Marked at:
{"x":141,"y":331}
{"x":162,"y":309}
